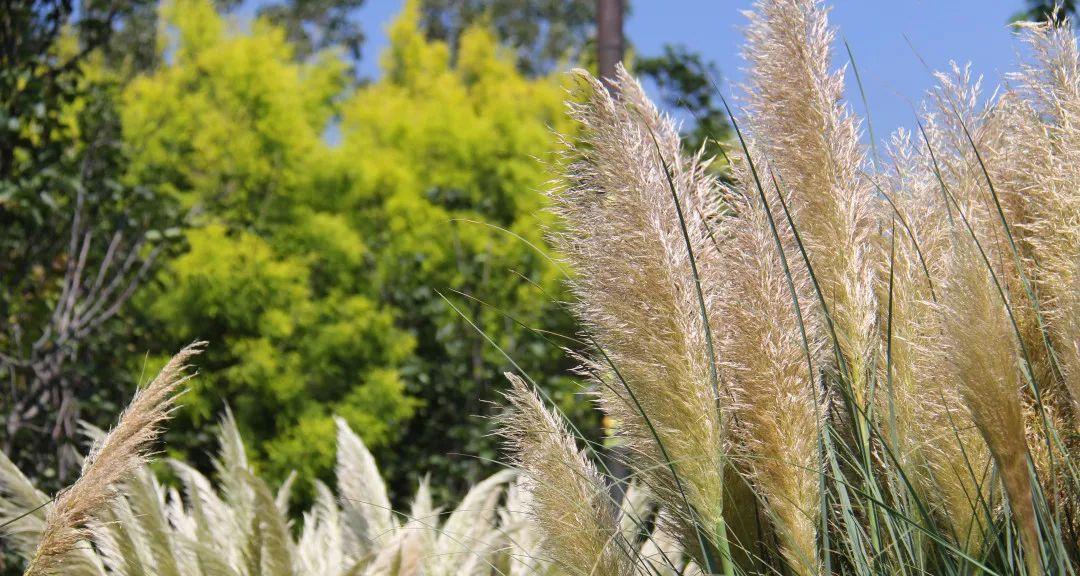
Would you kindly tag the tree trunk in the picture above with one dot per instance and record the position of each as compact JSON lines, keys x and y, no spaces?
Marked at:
{"x":609,"y":53}
{"x":609,"y":38}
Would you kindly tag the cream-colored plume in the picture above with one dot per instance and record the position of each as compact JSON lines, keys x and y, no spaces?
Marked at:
{"x":365,"y":505}
{"x":772,"y":373}
{"x":924,"y":421}
{"x":634,"y":215}
{"x":1045,"y":137}
{"x":981,"y":295}
{"x":113,"y":459}
{"x":567,"y":497}
{"x":811,"y":141}
{"x":981,"y":347}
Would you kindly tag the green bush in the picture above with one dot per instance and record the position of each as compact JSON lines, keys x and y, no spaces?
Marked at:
{"x":335,"y":231}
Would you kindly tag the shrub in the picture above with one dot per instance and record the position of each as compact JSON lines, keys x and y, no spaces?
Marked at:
{"x":334,"y":229}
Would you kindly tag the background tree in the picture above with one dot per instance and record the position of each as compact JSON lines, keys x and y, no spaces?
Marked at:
{"x":1044,"y":10}
{"x":687,"y":84}
{"x":323,"y":221}
{"x":449,"y":205}
{"x":314,"y":25}
{"x":546,"y":34}
{"x":75,"y":239}
{"x":231,"y":129}
{"x":541,"y":33}
{"x":317,"y":265}
{"x":130,"y":44}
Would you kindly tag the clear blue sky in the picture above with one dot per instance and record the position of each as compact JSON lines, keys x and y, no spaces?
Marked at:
{"x":961,"y":30}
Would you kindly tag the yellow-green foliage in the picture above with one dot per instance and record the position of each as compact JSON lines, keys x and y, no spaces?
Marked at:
{"x":233,"y":122}
{"x":327,"y":222}
{"x":426,"y":151}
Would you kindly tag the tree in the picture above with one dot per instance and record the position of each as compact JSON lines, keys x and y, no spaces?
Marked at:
{"x":544,"y":34}
{"x":314,"y":25}
{"x":317,"y":267}
{"x":231,"y":129}
{"x":687,"y":82}
{"x":75,"y":240}
{"x":131,"y":45}
{"x":1045,"y":10}
{"x":541,"y":33}
{"x":458,"y":146}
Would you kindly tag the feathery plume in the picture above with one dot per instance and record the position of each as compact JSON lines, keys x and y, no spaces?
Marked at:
{"x":811,"y":141}
{"x":462,"y":540}
{"x":981,"y":295}
{"x":634,"y":511}
{"x":766,"y":310}
{"x":320,"y":549}
{"x":113,"y":459}
{"x":524,"y":551}
{"x":633,"y":216}
{"x":22,"y":515}
{"x":980,"y":345}
{"x":1045,"y":109}
{"x":567,"y":496}
{"x":925,"y":423}
{"x":991,"y":157}
{"x":402,"y":551}
{"x":366,"y":507}
{"x":240,"y":526}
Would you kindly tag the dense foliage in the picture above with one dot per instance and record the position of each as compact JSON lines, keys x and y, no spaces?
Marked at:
{"x":543,"y":34}
{"x":68,"y":223}
{"x":327,"y":228}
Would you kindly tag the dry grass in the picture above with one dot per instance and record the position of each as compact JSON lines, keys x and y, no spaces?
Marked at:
{"x":885,"y":353}
{"x":238,"y":525}
{"x":112,"y":459}
{"x":568,"y":498}
{"x":625,"y":235}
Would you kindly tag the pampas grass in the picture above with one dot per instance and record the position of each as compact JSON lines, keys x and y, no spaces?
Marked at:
{"x":776,"y":407}
{"x":112,"y":459}
{"x":880,"y":351}
{"x":568,"y":498}
{"x":1044,"y":133}
{"x":981,"y":350}
{"x":926,"y":424}
{"x":626,"y":233}
{"x":238,"y":525}
{"x":811,"y":141}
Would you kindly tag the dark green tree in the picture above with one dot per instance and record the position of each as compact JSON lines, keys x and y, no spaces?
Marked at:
{"x":688,"y":82}
{"x":1045,"y":10}
{"x":129,"y":45}
{"x":74,"y":239}
{"x":544,"y":33}
{"x":312,"y":25}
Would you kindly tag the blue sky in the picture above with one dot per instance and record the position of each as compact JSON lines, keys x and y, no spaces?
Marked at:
{"x":963,"y":30}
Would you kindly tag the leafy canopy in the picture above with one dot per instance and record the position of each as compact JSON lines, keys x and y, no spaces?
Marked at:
{"x":329,"y":225}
